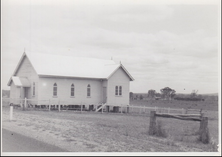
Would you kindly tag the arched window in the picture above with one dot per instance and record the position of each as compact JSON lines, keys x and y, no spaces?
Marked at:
{"x":33,"y":89}
{"x":116,"y":90}
{"x":88,"y":90}
{"x":72,"y":90}
{"x":55,"y":89}
{"x":120,"y":90}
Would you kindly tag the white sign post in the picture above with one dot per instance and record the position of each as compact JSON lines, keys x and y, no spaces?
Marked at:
{"x":25,"y":103}
{"x":11,"y":112}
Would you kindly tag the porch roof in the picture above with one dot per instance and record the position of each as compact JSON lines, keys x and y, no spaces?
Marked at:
{"x":21,"y":81}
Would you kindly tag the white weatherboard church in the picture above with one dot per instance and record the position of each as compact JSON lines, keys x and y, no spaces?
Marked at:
{"x":69,"y":80}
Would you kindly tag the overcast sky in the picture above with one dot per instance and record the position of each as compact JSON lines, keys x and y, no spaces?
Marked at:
{"x":161,"y":43}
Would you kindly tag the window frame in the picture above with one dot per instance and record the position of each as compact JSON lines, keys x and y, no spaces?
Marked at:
{"x":88,"y":93}
{"x":120,"y":90}
{"x":72,"y":92}
{"x":55,"y":90}
{"x":116,"y":90}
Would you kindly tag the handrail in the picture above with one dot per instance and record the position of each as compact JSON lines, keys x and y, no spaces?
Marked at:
{"x":103,"y":105}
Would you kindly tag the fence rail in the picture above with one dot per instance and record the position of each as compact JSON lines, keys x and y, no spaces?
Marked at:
{"x":203,"y":130}
{"x":192,"y":117}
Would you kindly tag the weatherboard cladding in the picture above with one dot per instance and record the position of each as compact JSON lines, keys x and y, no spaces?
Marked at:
{"x":47,"y":69}
{"x":118,"y":79}
{"x":64,"y":90}
{"x":25,"y":69}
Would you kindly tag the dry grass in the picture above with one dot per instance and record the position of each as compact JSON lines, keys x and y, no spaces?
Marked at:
{"x":208,"y":105}
{"x":5,"y":102}
{"x":112,"y":132}
{"x":187,"y":132}
{"x":160,"y":131}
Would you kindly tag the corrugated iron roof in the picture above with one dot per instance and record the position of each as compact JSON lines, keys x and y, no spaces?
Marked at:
{"x":70,"y":66}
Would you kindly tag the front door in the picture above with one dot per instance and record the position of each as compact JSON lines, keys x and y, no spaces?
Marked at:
{"x":23,"y":92}
{"x":23,"y":95}
{"x":104,"y":95}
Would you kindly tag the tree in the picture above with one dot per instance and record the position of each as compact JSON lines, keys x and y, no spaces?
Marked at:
{"x":151,"y":93}
{"x":141,"y":97}
{"x":194,"y":94}
{"x":131,"y":95}
{"x":157,"y":94}
{"x":168,"y":93}
{"x":136,"y":97}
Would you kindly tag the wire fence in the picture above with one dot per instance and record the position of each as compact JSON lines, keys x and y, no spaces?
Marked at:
{"x":61,"y":105}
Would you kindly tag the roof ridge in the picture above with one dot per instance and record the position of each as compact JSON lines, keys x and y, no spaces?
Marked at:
{"x":111,"y":64}
{"x":68,"y":55}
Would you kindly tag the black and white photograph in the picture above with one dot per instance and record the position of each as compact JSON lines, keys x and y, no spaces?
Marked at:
{"x":111,"y":77}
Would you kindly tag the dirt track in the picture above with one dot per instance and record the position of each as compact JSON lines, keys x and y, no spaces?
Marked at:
{"x":13,"y":142}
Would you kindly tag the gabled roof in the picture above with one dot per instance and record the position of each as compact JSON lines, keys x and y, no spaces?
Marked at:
{"x":70,"y":66}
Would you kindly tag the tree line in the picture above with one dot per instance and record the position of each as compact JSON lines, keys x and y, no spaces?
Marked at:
{"x":167,"y":93}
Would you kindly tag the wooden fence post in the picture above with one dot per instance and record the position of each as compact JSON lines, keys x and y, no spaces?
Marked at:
{"x":152,"y":127}
{"x":204,"y":134}
{"x":49,"y":105}
{"x":201,"y":115}
{"x":23,"y":104}
{"x":59,"y":106}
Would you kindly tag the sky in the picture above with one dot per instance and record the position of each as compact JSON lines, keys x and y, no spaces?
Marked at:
{"x":166,"y":43}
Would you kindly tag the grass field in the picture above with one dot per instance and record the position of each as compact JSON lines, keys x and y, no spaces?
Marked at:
{"x":114,"y":132}
{"x":208,"y":105}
